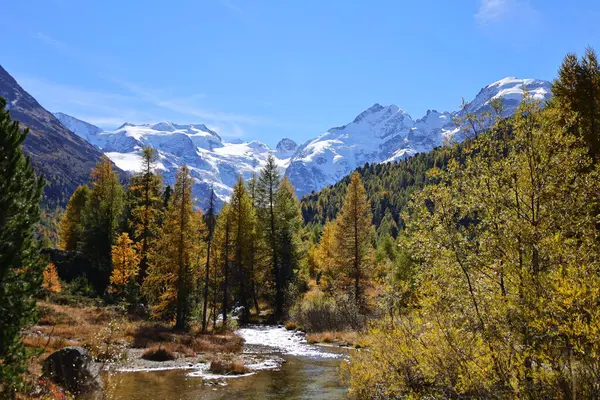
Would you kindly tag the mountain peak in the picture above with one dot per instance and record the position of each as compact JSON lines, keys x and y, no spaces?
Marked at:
{"x":164,"y":126}
{"x":286,"y":145}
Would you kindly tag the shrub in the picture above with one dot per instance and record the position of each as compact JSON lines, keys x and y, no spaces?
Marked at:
{"x":227,"y":367}
{"x":158,"y":353}
{"x":319,"y":312}
{"x":290,"y":325}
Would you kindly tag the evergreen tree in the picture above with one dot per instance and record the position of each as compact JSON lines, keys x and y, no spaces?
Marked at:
{"x":101,"y":220}
{"x":289,"y":226}
{"x":243,"y":225}
{"x":146,"y":206}
{"x":174,"y":260}
{"x":255,"y":245}
{"x":210,"y":220}
{"x":20,"y":262}
{"x":224,"y":244}
{"x":268,"y":183}
{"x":576,"y":98}
{"x":354,"y":236}
{"x":71,"y":227}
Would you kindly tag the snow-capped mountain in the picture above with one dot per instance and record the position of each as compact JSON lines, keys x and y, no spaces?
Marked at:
{"x":378,"y":134}
{"x":212,"y":161}
{"x":387,"y":133}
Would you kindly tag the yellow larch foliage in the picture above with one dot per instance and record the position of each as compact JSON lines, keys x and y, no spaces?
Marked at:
{"x":51,"y":282}
{"x":125,"y":260}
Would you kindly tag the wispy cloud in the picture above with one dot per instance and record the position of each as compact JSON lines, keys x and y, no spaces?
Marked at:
{"x":494,"y":11}
{"x":233,"y":7}
{"x":133,"y":102}
{"x":237,"y":10}
{"x":102,"y":108}
{"x":50,"y":41}
{"x":188,"y":105}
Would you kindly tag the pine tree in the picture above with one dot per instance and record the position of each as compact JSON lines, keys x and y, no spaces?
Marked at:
{"x":289,"y":226}
{"x":70,"y":228}
{"x":20,"y":264}
{"x":146,"y":206}
{"x":576,"y":98}
{"x":101,"y":220}
{"x":50,"y":280}
{"x":243,"y":228}
{"x":125,"y":261}
{"x":354,"y":235}
{"x":224,"y":255}
{"x":174,"y":261}
{"x":210,"y":220}
{"x":255,"y":245}
{"x":268,"y":183}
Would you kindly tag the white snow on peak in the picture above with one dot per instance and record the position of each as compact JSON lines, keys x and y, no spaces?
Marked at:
{"x":387,"y":133}
{"x":378,"y":134}
{"x":212,"y":161}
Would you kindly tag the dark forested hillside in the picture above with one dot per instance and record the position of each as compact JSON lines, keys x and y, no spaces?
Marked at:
{"x":389,"y":187}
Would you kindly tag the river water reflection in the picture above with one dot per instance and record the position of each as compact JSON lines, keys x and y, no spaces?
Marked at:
{"x":308,"y":372}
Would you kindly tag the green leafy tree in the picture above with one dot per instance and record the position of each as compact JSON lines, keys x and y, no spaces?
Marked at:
{"x":21,"y":266}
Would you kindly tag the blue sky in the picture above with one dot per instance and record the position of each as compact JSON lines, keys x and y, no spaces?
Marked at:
{"x":271,"y":69}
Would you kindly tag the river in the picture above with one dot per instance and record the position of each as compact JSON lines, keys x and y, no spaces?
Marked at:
{"x":287,"y":367}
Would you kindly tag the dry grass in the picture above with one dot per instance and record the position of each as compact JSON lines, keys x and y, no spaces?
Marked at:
{"x":228,"y":367}
{"x":290,"y":325}
{"x":158,"y":353}
{"x":342,"y":338}
{"x":190,"y":342}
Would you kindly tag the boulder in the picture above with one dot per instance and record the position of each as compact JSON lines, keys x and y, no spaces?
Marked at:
{"x":73,"y":369}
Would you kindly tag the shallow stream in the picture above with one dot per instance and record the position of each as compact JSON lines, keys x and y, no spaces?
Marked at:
{"x":285,"y":366}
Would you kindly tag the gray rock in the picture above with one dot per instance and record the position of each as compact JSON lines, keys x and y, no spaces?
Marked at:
{"x":73,"y":369}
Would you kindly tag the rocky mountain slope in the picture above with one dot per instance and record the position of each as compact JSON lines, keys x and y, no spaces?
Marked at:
{"x":378,"y":134}
{"x":387,"y":133}
{"x":212,"y":162}
{"x":64,"y":158}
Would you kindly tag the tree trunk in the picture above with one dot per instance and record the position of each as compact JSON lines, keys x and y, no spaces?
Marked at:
{"x":206,"y":283}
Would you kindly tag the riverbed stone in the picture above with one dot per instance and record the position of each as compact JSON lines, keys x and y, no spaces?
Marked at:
{"x":73,"y":369}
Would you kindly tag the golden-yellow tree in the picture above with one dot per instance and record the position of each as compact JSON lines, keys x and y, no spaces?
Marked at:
{"x":51,"y":282}
{"x":174,"y":261}
{"x":125,"y":261}
{"x":354,"y":240}
{"x":506,"y":244}
{"x":325,"y":255}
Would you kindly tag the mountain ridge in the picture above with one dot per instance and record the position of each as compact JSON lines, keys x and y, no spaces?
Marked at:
{"x":379,"y":134}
